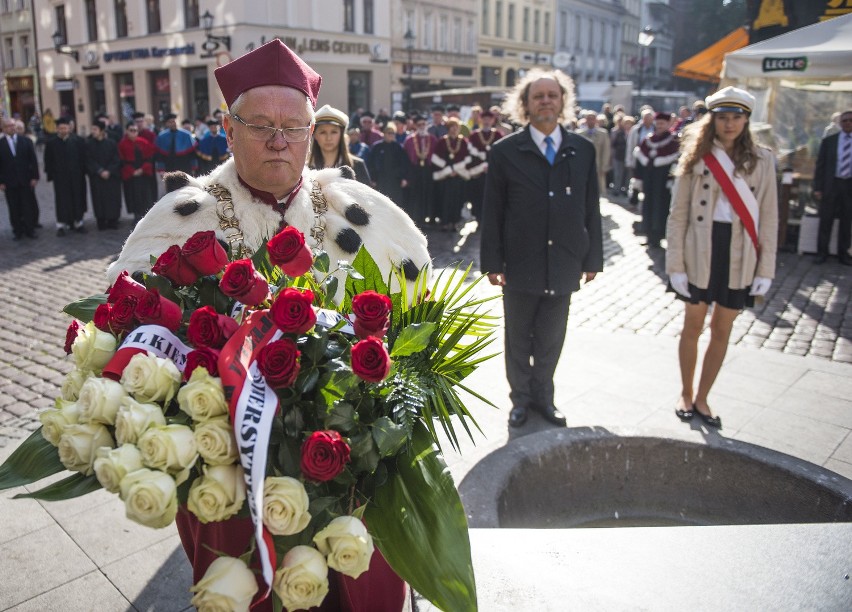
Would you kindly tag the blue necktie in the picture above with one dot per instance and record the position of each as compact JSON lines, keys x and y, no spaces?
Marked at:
{"x":549,"y":151}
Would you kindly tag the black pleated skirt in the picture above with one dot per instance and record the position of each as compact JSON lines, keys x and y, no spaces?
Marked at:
{"x":717,"y":290}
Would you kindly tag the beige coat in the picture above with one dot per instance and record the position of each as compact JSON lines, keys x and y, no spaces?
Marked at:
{"x":603,"y":158}
{"x":690,"y":223}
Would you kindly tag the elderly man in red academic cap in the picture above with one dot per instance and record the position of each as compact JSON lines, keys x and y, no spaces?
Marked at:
{"x":271,"y":95}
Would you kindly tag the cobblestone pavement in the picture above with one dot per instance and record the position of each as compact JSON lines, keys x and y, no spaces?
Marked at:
{"x":807,"y":311}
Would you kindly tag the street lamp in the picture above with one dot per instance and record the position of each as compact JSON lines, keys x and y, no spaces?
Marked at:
{"x":646,"y":37}
{"x":60,"y":47}
{"x":409,"y":46}
{"x":212,"y":43}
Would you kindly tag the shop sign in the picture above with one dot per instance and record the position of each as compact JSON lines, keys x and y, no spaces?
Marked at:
{"x":320,"y":45}
{"x":147,"y":52}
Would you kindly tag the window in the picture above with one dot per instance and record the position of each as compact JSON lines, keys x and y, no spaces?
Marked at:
{"x":547,"y":27}
{"x":91,"y":20}
{"x":4,"y":6}
{"x":368,"y":16}
{"x":485,"y":17}
{"x":457,"y":35}
{"x":471,"y":37}
{"x":536,"y":23}
{"x":563,"y":28}
{"x":25,"y":51}
{"x":442,"y":35}
{"x":61,"y":25}
{"x":526,"y":32}
{"x":153,"y":9}
{"x":348,"y":15}
{"x":510,"y":26}
{"x":121,"y":18}
{"x":190,"y":14}
{"x":410,"y":24}
{"x":427,"y":31}
{"x":578,"y":25}
{"x":498,"y":18}
{"x":10,"y":52}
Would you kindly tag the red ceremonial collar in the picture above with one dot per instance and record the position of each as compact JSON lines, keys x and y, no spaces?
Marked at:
{"x":268,"y":198}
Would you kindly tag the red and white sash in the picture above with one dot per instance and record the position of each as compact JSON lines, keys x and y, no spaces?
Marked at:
{"x":252,"y":404}
{"x":736,"y":190}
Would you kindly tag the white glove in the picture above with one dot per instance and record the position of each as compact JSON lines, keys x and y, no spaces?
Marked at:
{"x":636,"y":184}
{"x":680,"y":283}
{"x":760,"y":285}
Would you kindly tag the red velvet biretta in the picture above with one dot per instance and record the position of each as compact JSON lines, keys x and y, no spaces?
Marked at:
{"x":663,"y":116}
{"x":270,"y":64}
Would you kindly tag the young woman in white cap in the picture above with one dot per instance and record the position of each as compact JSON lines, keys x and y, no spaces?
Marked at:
{"x":328,"y":149}
{"x":722,"y":233}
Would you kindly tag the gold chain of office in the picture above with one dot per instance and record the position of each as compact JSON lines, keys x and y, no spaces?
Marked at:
{"x":230,"y":225}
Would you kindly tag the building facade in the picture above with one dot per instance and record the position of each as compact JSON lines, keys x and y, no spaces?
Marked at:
{"x":514,"y":36}
{"x":158,"y":56}
{"x":19,"y":82}
{"x":590,"y":34}
{"x":434,"y":47}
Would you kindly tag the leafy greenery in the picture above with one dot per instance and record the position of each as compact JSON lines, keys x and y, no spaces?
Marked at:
{"x":34,"y":459}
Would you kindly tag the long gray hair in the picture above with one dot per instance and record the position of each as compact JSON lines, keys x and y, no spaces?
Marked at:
{"x":515,"y":106}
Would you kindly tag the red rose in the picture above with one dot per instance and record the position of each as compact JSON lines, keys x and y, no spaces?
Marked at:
{"x":71,"y":335}
{"x":125,"y":285}
{"x":204,"y":357}
{"x":292,"y":311}
{"x":172,"y":265}
{"x":372,"y":314}
{"x":154,"y":309}
{"x":324,"y":455}
{"x":102,"y":317}
{"x":288,"y":251}
{"x":278,"y":361}
{"x":242,"y":282}
{"x":370,"y":360}
{"x":208,"y":328}
{"x":204,"y":253}
{"x":122,"y":315}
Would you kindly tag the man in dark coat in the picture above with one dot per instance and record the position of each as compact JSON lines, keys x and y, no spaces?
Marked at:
{"x":18,"y":178}
{"x":65,"y":166}
{"x":541,"y":234}
{"x":388,"y":166}
{"x":833,"y":189}
{"x":103,"y":165}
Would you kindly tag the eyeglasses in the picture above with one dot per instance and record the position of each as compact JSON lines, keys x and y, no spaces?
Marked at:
{"x":267,"y":132}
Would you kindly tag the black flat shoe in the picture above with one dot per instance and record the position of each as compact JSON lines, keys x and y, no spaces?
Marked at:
{"x":709,"y":420}
{"x":518,"y":416}
{"x":553,"y":415}
{"x":685,"y":415}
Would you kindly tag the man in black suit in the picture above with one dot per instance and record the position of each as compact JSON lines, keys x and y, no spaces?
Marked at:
{"x":833,"y":189}
{"x":18,"y":178}
{"x":541,"y":234}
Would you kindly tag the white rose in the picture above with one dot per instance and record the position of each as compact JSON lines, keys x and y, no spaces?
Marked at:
{"x":302,"y":580}
{"x":99,"y":400}
{"x":150,"y":497}
{"x":133,"y":419}
{"x":73,"y":383}
{"x":113,"y":464}
{"x":170,"y":448}
{"x":227,"y":585}
{"x":202,"y":397}
{"x":54,"y":421}
{"x":93,"y":348}
{"x":150,"y":378}
{"x":215,"y":441}
{"x":347,"y":545}
{"x":285,"y":505}
{"x":219,"y":494}
{"x":79,"y":443}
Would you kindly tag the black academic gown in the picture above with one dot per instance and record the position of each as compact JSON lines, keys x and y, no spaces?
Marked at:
{"x":106,"y":193}
{"x":65,"y":166}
